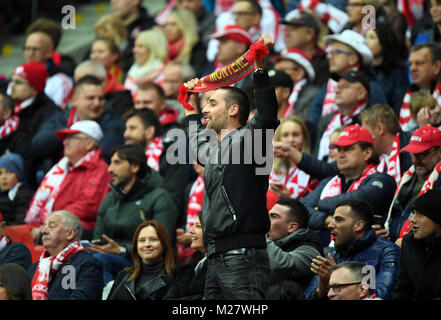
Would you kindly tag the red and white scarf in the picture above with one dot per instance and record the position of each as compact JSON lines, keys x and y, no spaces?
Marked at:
{"x":9,"y":126}
{"x":329,"y":105}
{"x":44,"y":198}
{"x":428,"y":185}
{"x":293,"y":98}
{"x":49,"y":266}
{"x":405,"y":118}
{"x":21,"y":106}
{"x":337,"y":121}
{"x":4,"y":241}
{"x":153,"y":153}
{"x":334,"y":186}
{"x":391,"y":163}
{"x":334,"y":18}
{"x":295,"y":180}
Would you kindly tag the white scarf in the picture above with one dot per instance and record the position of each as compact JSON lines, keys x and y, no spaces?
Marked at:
{"x":4,"y":241}
{"x":154,"y":152}
{"x":44,"y":198}
{"x":21,"y":106}
{"x":391,"y":163}
{"x":295,"y":180}
{"x":337,"y":121}
{"x":293,"y":97}
{"x":329,"y":105}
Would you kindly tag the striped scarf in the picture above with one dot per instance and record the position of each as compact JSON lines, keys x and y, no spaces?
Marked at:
{"x":9,"y":126}
{"x":334,"y":186}
{"x":391,"y":163}
{"x":295,"y":180}
{"x":337,"y":121}
{"x":49,"y":266}
{"x":293,"y":97}
{"x":4,"y":241}
{"x":405,"y":118}
{"x":153,"y":153}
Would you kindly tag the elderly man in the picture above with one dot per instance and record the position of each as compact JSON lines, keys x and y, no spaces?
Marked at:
{"x":355,"y":240}
{"x":346,"y":282}
{"x":65,"y":270}
{"x":78,"y":182}
{"x":88,"y":104}
{"x":424,"y":67}
{"x":425,"y":152}
{"x":346,"y":51}
{"x":419,"y":276}
{"x":357,"y":179}
{"x":291,"y":246}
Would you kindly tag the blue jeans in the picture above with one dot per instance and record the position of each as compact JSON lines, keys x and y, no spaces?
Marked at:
{"x":237,"y":276}
{"x":112,"y":264}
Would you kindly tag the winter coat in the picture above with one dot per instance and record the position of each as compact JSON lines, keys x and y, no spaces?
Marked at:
{"x":371,"y":250}
{"x":120,"y":213}
{"x":14,"y":211}
{"x":16,"y":252}
{"x":419,"y":276}
{"x":88,"y":278}
{"x":234,"y":205}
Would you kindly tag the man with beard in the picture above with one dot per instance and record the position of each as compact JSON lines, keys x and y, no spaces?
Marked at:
{"x":143,"y":127}
{"x":136,"y":195}
{"x":425,"y":151}
{"x":355,"y":240}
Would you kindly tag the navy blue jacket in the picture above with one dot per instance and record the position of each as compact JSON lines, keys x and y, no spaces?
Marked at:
{"x":88,"y":279}
{"x":377,"y":189}
{"x":46,"y":144}
{"x":371,"y":250}
{"x":16,"y":252}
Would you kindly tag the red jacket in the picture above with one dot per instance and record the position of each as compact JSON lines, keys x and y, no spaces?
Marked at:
{"x":83,"y":189}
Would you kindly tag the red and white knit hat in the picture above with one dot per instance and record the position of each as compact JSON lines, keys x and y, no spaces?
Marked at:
{"x":35,"y":73}
{"x":235,"y":33}
{"x":300,"y":57}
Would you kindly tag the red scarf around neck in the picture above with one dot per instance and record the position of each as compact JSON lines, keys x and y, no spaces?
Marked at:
{"x":153,"y":153}
{"x":391,"y":164}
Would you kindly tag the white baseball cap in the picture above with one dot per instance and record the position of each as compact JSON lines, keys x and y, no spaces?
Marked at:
{"x":88,"y":127}
{"x":356,"y":41}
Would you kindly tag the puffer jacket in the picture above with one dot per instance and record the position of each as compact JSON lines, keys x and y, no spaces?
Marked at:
{"x":120,"y":214}
{"x":371,"y":250}
{"x":234,"y":204}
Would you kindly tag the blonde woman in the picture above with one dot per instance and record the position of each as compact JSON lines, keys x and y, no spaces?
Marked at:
{"x":150,"y":55}
{"x":286,"y":180}
{"x":182,"y":34}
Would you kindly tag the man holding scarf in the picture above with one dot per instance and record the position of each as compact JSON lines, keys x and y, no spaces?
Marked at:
{"x":357,"y":179}
{"x":65,"y":270}
{"x":78,"y":182}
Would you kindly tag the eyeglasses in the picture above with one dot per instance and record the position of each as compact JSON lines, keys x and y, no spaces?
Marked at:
{"x":338,"y":286}
{"x":334,"y":52}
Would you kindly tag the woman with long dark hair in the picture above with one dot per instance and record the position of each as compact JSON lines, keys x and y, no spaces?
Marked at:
{"x":389,"y":63}
{"x":153,"y":261}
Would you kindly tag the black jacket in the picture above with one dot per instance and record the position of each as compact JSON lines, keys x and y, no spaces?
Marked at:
{"x":14,"y":211}
{"x":419,"y":276}
{"x":16,"y":252}
{"x":154,"y":287}
{"x":234,"y":205}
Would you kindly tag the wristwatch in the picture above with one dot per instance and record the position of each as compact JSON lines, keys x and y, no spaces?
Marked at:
{"x":122,"y":251}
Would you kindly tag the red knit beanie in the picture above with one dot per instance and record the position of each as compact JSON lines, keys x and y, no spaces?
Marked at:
{"x":35,"y":73}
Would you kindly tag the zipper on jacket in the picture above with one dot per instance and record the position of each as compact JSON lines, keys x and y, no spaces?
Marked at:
{"x":133,"y":296}
{"x":230,"y":206}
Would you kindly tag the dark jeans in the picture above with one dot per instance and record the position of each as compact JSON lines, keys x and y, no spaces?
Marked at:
{"x":242,"y":276}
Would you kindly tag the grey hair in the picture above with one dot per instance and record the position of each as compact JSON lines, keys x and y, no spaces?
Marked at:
{"x":187,"y":70}
{"x":355,"y":269}
{"x":70,"y":221}
{"x":93,"y":68}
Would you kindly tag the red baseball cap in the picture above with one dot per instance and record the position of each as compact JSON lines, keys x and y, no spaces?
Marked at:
{"x":235,"y":33}
{"x":423,"y":139}
{"x":352,"y":135}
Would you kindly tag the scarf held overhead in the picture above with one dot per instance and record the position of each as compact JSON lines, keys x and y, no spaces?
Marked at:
{"x":227,"y":75}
